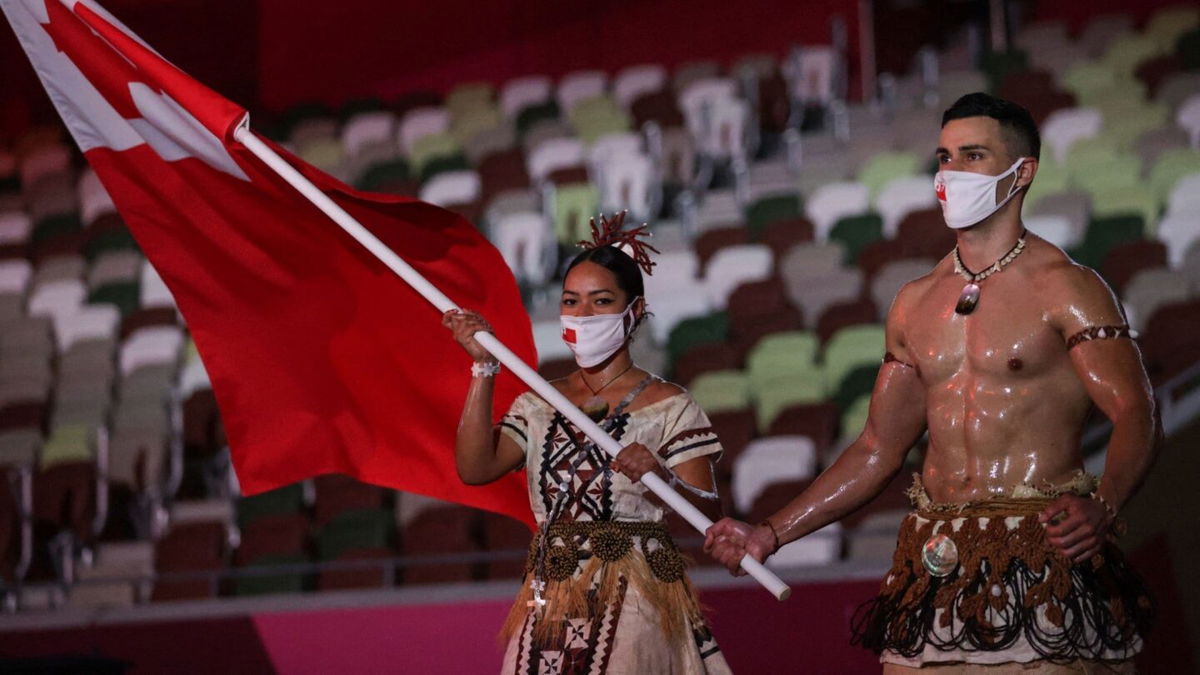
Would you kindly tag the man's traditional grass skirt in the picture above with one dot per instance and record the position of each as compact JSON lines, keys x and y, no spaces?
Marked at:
{"x":1011,"y":596}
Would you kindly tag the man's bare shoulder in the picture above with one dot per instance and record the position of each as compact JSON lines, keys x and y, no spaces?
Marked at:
{"x":912,"y":292}
{"x":1073,"y":293}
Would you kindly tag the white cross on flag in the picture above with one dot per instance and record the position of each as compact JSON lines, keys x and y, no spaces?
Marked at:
{"x":321,"y":359}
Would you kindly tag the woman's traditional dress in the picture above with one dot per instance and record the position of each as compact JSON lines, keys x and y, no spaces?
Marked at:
{"x":605,"y":589}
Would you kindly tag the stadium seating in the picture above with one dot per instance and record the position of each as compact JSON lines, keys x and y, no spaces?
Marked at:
{"x":788,"y":217}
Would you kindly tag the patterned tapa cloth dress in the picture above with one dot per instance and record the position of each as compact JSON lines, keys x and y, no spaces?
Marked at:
{"x":605,"y":589}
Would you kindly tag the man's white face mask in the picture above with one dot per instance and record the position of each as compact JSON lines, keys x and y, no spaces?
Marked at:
{"x":968,"y":198}
{"x":595,"y":338}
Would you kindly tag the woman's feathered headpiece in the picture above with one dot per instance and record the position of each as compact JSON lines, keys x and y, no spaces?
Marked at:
{"x":611,"y":232}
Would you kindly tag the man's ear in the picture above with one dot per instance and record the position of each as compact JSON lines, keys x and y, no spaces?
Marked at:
{"x":1027,"y":171}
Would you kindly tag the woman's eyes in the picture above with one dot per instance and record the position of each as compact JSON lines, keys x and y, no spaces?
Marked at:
{"x":571,"y":302}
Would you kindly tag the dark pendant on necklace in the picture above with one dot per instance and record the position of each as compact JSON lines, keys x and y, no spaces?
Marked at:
{"x":968,"y":300}
{"x":595,"y":408}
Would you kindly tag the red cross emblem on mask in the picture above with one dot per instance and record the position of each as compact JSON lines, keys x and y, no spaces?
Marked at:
{"x":569,"y":335}
{"x":940,"y":189}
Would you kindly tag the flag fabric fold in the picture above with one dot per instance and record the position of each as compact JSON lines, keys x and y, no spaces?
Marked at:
{"x":321,"y":359}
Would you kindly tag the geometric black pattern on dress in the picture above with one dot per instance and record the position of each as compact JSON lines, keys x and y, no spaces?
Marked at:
{"x":687,"y":441}
{"x":586,"y":644}
{"x":704,"y":640}
{"x":589,"y":492}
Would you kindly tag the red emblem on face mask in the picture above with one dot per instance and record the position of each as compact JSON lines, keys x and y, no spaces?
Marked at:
{"x":940,"y":189}
{"x":569,"y":335}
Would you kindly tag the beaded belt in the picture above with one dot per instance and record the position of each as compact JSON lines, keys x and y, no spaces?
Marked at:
{"x":609,"y":540}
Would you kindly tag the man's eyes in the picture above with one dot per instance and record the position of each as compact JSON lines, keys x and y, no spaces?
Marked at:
{"x":970,"y":156}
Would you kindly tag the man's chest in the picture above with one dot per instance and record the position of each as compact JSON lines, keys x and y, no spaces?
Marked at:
{"x":1010,"y":333}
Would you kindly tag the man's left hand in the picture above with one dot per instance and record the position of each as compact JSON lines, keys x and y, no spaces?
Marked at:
{"x":1076,"y":526}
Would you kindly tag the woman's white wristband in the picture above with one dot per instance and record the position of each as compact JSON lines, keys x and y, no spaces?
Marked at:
{"x":485,"y":369}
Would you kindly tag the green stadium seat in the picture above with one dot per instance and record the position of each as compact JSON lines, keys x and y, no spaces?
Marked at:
{"x":380,"y":175}
{"x":1170,"y":167}
{"x":1127,"y":51}
{"x":109,"y":239}
{"x":529,"y":116}
{"x":55,"y":226}
{"x":124,"y":295}
{"x":855,"y":384}
{"x":443,"y":164}
{"x":721,"y":391}
{"x":771,"y":210}
{"x":1087,"y":77}
{"x":1051,"y":178}
{"x":357,"y":529}
{"x":324,"y":153}
{"x":66,"y":444}
{"x":850,"y":348}
{"x":854,"y":419}
{"x":998,"y":65}
{"x":1105,"y":233}
{"x":776,"y":395}
{"x":469,"y":96}
{"x":574,"y":206}
{"x":856,"y":232}
{"x":286,"y":500}
{"x":466,"y":125}
{"x":1130,"y":200}
{"x":430,"y":146}
{"x":1098,"y":165}
{"x":695,"y":331}
{"x":1169,"y":23}
{"x":884,"y":167}
{"x":781,"y":355}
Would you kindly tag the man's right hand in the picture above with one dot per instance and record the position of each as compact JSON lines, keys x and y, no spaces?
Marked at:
{"x":729,"y":540}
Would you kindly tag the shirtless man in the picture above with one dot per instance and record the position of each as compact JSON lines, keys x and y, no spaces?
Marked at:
{"x":1001,"y":372}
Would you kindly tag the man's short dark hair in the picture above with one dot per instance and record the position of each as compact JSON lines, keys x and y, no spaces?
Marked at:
{"x":1020,"y":132}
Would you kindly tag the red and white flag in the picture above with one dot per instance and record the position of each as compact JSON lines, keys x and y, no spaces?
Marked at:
{"x":322,"y":359}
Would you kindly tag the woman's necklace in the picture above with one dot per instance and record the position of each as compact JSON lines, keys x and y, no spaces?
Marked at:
{"x":596,"y":407}
{"x":969,"y":298}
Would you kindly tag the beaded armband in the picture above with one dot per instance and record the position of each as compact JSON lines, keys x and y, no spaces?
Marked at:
{"x":1101,"y":333}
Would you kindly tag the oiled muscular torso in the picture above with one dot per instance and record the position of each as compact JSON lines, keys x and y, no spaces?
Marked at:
{"x":1004,"y":405}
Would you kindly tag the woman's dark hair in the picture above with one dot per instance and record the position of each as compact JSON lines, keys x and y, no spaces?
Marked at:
{"x":1020,"y":131}
{"x":613,"y":259}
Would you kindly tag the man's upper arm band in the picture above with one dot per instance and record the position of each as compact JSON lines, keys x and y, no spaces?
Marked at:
{"x":1100,"y":333}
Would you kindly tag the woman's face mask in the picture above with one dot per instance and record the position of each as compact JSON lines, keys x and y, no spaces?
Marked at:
{"x":967,"y":198}
{"x":595,"y":338}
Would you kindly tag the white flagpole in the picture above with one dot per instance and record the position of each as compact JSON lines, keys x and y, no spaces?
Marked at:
{"x":528,"y":375}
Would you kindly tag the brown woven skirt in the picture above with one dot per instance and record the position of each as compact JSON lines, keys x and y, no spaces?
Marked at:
{"x":981,"y":577}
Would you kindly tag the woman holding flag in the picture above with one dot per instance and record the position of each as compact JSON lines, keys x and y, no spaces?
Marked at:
{"x":605,"y":589}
